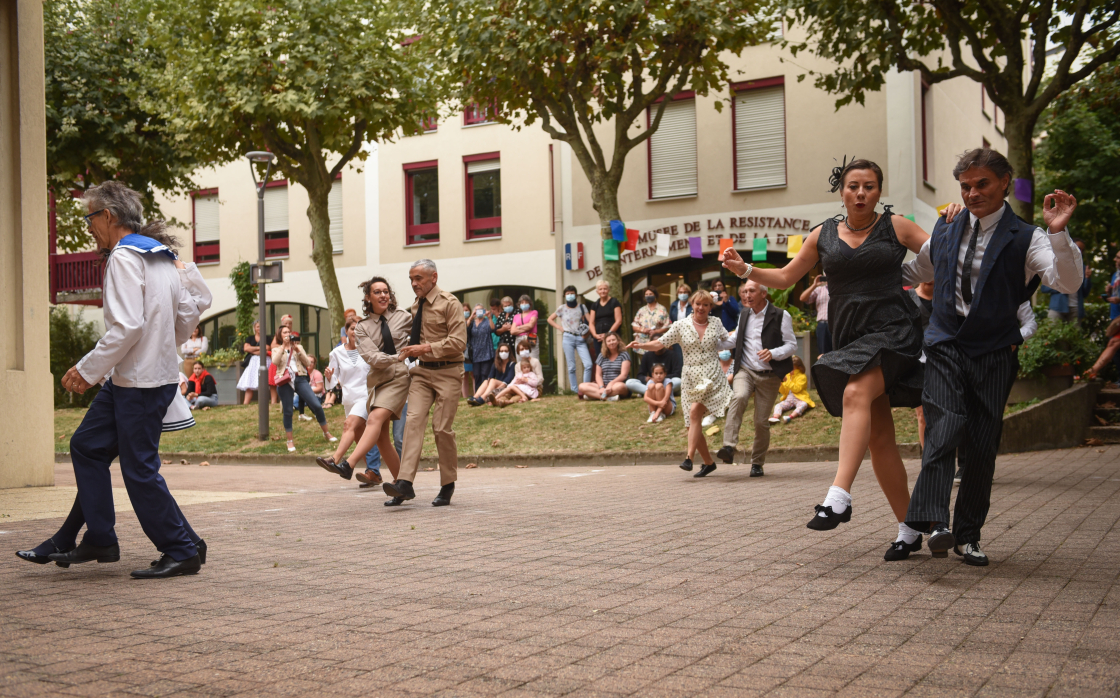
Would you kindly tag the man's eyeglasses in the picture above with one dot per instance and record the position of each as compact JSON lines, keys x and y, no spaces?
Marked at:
{"x":89,"y":218}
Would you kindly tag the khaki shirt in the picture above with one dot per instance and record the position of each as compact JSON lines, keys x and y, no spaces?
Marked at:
{"x":442,"y":325}
{"x":383,"y":367}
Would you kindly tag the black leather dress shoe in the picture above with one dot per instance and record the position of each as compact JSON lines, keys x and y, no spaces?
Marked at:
{"x":686,"y":465}
{"x":830,"y":520}
{"x":88,"y":553}
{"x":706,"y":470}
{"x":941,"y":540}
{"x":32,"y":556}
{"x":400,"y":488}
{"x":756,"y":471}
{"x":444,"y":497}
{"x":900,"y":550}
{"x":394,"y":502}
{"x":200,"y":546}
{"x":343,"y":469}
{"x":170,"y":567}
{"x":726,"y":454}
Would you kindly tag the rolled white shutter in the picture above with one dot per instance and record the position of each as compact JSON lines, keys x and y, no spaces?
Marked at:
{"x":334,"y":208}
{"x":275,"y":209}
{"x":483,"y":166}
{"x":760,"y":138}
{"x":206,"y":213}
{"x":672,"y":151}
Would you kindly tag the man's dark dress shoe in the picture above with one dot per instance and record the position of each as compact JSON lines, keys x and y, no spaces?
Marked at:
{"x":706,"y":470}
{"x":170,"y":567}
{"x":394,"y":502}
{"x":900,"y":550}
{"x":756,"y":471}
{"x":444,"y":497}
{"x":400,"y":488}
{"x":200,"y":546}
{"x":726,"y":454}
{"x":343,"y":469}
{"x":88,"y":553}
{"x":32,"y":556}
{"x":686,"y":465}
{"x":941,"y":540}
{"x":830,"y":520}
{"x":369,"y":478}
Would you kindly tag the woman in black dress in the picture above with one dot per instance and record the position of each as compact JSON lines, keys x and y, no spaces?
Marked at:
{"x":876,"y":335}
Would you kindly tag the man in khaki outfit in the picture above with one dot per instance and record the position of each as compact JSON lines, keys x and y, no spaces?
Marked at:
{"x":438,"y":339}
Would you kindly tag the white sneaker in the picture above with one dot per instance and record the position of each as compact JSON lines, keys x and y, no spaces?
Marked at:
{"x":304,"y":418}
{"x":785,"y":420}
{"x":613,"y":398}
{"x":660,"y":418}
{"x":650,"y":418}
{"x":708,"y":420}
{"x":773,"y":420}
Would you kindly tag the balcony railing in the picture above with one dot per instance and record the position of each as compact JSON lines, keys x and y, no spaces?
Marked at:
{"x":76,"y":278}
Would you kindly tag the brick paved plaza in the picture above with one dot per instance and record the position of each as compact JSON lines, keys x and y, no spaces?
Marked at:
{"x":612,"y":581}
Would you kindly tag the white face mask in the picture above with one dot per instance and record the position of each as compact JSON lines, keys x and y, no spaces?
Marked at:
{"x":525,"y":307}
{"x":466,"y":313}
{"x":523,"y":353}
{"x":507,"y":308}
{"x":570,"y":297}
{"x":503,"y":355}
{"x":682,"y":296}
{"x":479,"y":312}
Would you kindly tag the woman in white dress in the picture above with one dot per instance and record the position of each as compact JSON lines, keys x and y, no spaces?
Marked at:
{"x":247,"y":383}
{"x":349,"y":369}
{"x":704,"y":389}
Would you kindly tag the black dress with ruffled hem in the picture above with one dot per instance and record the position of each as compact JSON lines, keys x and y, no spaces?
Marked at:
{"x":872,"y":321}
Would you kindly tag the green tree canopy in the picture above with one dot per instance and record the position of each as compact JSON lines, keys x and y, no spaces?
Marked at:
{"x":98,"y":127}
{"x":309,"y":80}
{"x":1001,"y":44}
{"x":578,"y":64}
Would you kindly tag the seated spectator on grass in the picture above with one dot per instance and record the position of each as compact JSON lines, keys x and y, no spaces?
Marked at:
{"x":611,"y":369}
{"x":525,"y":386}
{"x":659,"y":395}
{"x":184,"y":387}
{"x":669,"y":357}
{"x":501,"y":375}
{"x":793,"y":394}
{"x":318,"y":388}
{"x":524,"y":351}
{"x":202,"y":390}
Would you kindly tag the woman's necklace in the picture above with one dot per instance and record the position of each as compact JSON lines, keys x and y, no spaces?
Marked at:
{"x":874,"y":219}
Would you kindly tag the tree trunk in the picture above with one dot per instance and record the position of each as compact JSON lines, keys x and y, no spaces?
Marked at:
{"x":1020,"y":153}
{"x":323,"y":256}
{"x":604,"y":199}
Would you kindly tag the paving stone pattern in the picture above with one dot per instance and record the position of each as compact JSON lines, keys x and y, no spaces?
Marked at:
{"x":547,"y":581}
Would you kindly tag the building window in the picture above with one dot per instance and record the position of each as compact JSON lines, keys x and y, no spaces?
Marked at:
{"x":334,"y":210}
{"x":421,"y":185}
{"x":758,"y":122}
{"x":479,"y":114}
{"x":429,"y":124}
{"x":926,"y":124}
{"x":484,"y":196}
{"x":276,"y":219}
{"x":207,"y":246}
{"x":672,"y":149}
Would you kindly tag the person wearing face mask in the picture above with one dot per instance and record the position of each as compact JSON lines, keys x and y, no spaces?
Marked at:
{"x":606,"y":316}
{"x":503,"y":322}
{"x":651,"y":321}
{"x":468,"y":367}
{"x":525,"y":325}
{"x":681,"y":308}
{"x":571,"y":319}
{"x":524,"y":352}
{"x":726,"y":364}
{"x":501,"y":375}
{"x":481,"y":350}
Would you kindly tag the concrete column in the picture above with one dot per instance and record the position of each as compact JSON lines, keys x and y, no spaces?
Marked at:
{"x":26,"y":397}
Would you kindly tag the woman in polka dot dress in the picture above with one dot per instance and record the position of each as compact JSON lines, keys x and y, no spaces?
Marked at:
{"x":704,"y":389}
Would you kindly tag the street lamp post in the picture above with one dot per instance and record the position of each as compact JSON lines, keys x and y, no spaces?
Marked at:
{"x":262,"y":377}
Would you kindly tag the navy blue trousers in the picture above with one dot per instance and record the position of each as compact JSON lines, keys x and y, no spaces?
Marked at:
{"x":127,"y":422}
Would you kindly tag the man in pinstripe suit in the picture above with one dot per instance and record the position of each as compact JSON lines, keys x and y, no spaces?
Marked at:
{"x":983,"y":266}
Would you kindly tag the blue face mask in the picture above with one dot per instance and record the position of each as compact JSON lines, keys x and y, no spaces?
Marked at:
{"x":466,"y":313}
{"x":525,"y":307}
{"x":479,"y":312}
{"x":682,"y":296}
{"x":570,"y":297}
{"x":725,"y":355}
{"x":507,"y":308}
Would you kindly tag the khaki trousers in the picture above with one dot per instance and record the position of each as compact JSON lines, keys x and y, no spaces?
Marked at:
{"x":439,"y":387}
{"x":764,"y":387}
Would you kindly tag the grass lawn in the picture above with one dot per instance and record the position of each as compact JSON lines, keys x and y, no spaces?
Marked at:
{"x":553,"y":424}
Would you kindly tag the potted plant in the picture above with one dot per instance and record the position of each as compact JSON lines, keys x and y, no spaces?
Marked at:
{"x":1050,"y":359}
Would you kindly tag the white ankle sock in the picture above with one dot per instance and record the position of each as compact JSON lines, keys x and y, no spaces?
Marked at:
{"x":838,"y":499}
{"x":906,"y":534}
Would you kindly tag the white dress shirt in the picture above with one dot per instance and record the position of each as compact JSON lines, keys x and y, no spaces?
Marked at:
{"x":350,"y":370}
{"x":150,"y":308}
{"x":1027,"y":324}
{"x":1052,"y":256}
{"x":752,"y":340}
{"x":194,"y":348}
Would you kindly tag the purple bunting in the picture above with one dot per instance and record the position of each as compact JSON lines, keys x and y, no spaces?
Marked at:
{"x":695,"y":248}
{"x":1024,"y":190}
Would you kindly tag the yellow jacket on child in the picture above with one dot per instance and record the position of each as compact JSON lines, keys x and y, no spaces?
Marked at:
{"x":796,"y":382}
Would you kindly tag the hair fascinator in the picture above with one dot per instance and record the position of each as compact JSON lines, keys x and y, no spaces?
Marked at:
{"x":837,"y":176}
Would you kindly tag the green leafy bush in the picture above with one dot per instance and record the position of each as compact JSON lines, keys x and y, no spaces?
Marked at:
{"x":1056,"y":344}
{"x":222,"y":358}
{"x":71,"y":339}
{"x":246,"y":301}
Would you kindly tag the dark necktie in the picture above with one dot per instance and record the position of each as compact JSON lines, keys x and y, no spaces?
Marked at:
{"x":414,"y":337}
{"x":387,"y":345}
{"x":969,"y":256}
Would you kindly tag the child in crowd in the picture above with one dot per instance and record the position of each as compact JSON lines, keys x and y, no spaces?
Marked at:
{"x":658,"y":396}
{"x":525,"y":387}
{"x":793,"y":394}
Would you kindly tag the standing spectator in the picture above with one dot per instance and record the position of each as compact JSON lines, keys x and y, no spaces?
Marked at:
{"x":525,"y":386}
{"x":318,"y":387}
{"x":501,"y":375}
{"x":651,"y":321}
{"x":525,"y":325}
{"x":668,"y":358}
{"x":726,"y":307}
{"x":1112,"y":291}
{"x":681,"y":308}
{"x":481,"y":350}
{"x":571,"y":318}
{"x":659,"y":396}
{"x":1069,"y":307}
{"x":492,"y":316}
{"x":817,"y":294}
{"x":611,"y":369}
{"x":293,"y":362}
{"x":503,"y":321}
{"x":285,"y":321}
{"x":202,"y":390}
{"x":193,"y":348}
{"x":793,"y":394}
{"x":467,"y":366}
{"x":348,"y":315}
{"x":606,"y":316}
{"x":251,"y":364}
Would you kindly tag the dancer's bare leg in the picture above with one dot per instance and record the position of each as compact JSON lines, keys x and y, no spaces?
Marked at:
{"x":378,"y":418}
{"x":388,"y":452}
{"x":885,"y":459}
{"x":921,"y":415}
{"x":855,"y":430}
{"x":355,"y":427}
{"x":696,"y":440}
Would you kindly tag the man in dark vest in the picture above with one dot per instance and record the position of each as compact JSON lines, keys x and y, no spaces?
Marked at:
{"x":764,"y":343}
{"x":983,"y":265}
